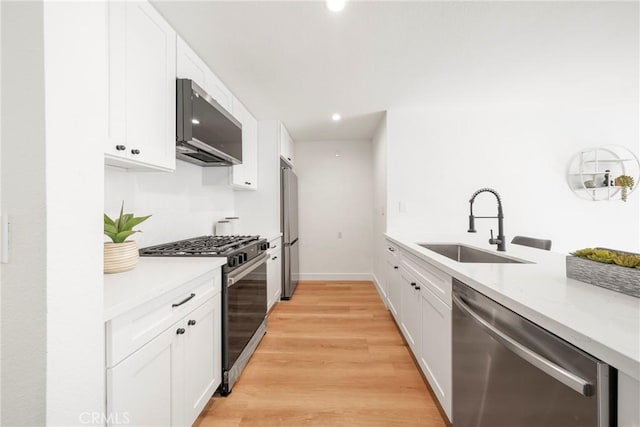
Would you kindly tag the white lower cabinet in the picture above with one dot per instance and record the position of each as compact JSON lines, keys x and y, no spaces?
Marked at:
{"x":202,"y":364}
{"x":394,"y":288}
{"x":274,"y":272}
{"x":435,"y":352}
{"x":628,"y":398}
{"x":143,"y":389}
{"x":410,"y":314}
{"x":168,"y":380}
{"x":419,"y":297}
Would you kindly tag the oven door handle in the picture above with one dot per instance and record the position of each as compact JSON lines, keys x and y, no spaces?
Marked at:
{"x":239,"y":274}
{"x":567,"y":378}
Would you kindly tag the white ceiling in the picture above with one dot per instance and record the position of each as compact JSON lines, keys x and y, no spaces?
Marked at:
{"x":298,"y":62}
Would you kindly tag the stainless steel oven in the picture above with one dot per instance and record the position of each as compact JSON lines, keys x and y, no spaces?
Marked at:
{"x":244,"y":312}
{"x":244,"y":293}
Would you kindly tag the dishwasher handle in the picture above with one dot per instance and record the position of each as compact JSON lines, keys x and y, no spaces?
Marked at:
{"x":567,"y":378}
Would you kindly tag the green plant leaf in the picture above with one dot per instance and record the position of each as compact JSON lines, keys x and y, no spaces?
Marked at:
{"x":132,"y":222}
{"x":110,"y":228}
{"x":122,"y":227}
{"x":122,"y":236}
{"x":108,"y":220}
{"x":123,"y":222}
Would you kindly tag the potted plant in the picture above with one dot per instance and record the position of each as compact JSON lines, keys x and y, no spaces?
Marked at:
{"x":626,"y":182}
{"x":121,"y":254}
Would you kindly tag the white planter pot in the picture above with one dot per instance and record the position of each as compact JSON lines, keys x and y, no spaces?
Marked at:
{"x":119,"y":257}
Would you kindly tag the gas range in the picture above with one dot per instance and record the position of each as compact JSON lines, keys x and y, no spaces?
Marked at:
{"x":237,"y":249}
{"x":244,"y":293}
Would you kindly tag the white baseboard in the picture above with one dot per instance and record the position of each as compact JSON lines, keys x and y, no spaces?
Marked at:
{"x":327,"y":277}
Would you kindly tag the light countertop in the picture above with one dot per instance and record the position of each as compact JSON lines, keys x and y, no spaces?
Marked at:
{"x":271,"y":236}
{"x":601,"y":322}
{"x":151,"y":278}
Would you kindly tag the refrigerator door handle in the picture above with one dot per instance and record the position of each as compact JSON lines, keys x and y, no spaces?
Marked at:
{"x":545,"y":365}
{"x":287,"y":245}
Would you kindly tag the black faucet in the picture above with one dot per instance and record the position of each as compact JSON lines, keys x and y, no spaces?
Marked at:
{"x":500,"y":241}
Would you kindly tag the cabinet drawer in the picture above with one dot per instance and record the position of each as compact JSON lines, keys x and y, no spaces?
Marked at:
{"x":435,"y":280}
{"x":392,"y":253}
{"x":275,"y":243}
{"x":130,"y":331}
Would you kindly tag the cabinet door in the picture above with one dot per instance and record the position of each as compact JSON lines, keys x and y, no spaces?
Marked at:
{"x":245,"y":175}
{"x":218,"y":91}
{"x":410,"y":313}
{"x":142,"y":389}
{"x":435,"y":354}
{"x":202,"y":357}
{"x":274,"y":277}
{"x":189,"y":65}
{"x":286,"y":146}
{"x":142,"y":88}
{"x":394,"y":288}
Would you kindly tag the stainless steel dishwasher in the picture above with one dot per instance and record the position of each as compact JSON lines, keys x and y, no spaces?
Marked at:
{"x":510,"y":372}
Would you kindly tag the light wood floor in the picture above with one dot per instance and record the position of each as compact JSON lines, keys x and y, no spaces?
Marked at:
{"x":332,"y":356}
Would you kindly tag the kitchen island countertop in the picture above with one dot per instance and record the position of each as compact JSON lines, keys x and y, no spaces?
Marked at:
{"x":601,"y":322}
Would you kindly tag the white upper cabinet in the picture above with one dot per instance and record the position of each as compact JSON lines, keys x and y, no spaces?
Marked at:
{"x":245,"y":175}
{"x":142,"y":88}
{"x":286,"y":146}
{"x":218,"y":91}
{"x":191,"y":66}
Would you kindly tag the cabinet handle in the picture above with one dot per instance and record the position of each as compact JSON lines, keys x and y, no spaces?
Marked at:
{"x":395,"y":266}
{"x":191,"y":322}
{"x":135,"y":151}
{"x":121,"y":147}
{"x":391,"y":249}
{"x":178,"y":304}
{"x":180,"y":331}
{"x":289,"y":158}
{"x":417,"y":288}
{"x":274,"y":258}
{"x":247,"y":183}
{"x":413,"y":284}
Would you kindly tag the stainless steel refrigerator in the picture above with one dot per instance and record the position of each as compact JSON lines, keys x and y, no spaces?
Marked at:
{"x":289,"y":228}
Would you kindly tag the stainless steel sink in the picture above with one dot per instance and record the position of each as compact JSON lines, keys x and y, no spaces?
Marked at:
{"x":462,"y":253}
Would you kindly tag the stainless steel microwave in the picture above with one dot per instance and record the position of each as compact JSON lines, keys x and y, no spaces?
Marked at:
{"x":206,"y":133}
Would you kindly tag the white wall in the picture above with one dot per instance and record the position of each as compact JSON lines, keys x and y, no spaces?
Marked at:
{"x":184,"y":204}
{"x":76,"y":112}
{"x":335,"y":196}
{"x":1,"y":213}
{"x":259,"y":210}
{"x":379,"y":148}
{"x":439,"y":155}
{"x":23,"y":197}
{"x":556,"y":92}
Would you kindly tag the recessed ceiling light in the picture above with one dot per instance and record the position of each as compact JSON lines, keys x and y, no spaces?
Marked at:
{"x":195,"y":121}
{"x":336,"y":117}
{"x":335,"y":5}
